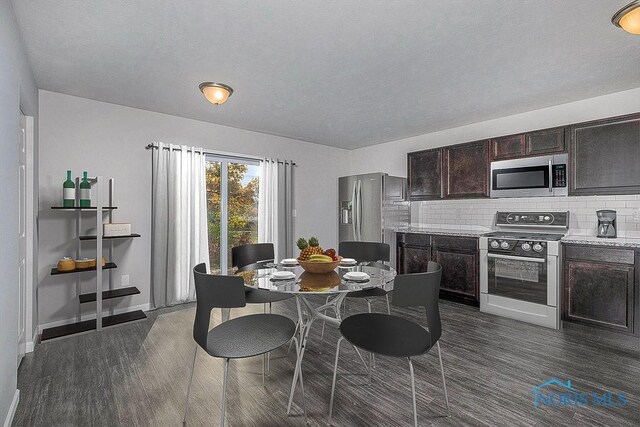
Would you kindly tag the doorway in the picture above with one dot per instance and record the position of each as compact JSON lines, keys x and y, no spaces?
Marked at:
{"x":25,"y":235}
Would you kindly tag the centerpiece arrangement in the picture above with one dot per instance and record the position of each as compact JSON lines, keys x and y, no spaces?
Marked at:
{"x":314,"y":259}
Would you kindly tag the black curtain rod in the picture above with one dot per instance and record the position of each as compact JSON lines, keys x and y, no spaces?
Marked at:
{"x":151,"y":146}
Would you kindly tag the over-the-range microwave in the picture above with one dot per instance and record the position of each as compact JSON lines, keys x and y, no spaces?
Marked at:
{"x":541,"y":176}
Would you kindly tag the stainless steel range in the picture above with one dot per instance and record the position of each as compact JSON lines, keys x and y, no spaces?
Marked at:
{"x":520,"y":267}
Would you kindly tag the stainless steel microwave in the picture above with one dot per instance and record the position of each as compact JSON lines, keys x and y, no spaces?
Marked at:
{"x":542,"y":176}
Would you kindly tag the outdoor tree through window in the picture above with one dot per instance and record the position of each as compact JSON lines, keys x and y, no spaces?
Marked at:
{"x":232,"y":208}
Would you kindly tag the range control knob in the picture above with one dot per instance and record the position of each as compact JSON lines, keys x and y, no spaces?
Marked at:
{"x":504,"y":245}
{"x":537,"y":247}
{"x":547,"y":218}
{"x":495,"y":244}
{"x":526,"y":247}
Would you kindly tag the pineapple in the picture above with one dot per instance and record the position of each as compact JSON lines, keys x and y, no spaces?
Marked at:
{"x":308,"y":248}
{"x":314,"y":246}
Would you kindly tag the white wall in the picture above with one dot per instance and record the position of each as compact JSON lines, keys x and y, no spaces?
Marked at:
{"x":17,"y":90}
{"x":391,"y":157}
{"x":109,"y":140}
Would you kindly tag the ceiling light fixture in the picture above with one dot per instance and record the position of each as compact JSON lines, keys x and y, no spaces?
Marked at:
{"x":216,"y":93}
{"x":628,"y":18}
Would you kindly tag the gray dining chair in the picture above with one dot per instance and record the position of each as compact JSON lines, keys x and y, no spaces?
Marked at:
{"x":253,"y":256}
{"x":395,"y":336}
{"x":242,"y":337}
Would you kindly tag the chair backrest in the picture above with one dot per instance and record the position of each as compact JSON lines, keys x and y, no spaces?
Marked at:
{"x":213,"y":291}
{"x":421,"y":290}
{"x":364,"y":251}
{"x":244,"y":255}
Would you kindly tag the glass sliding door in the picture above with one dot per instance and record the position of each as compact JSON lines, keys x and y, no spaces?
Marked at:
{"x":232,"y":207}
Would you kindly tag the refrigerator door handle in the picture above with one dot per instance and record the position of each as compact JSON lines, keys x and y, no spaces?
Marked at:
{"x":354,"y":210}
{"x":359,"y":210}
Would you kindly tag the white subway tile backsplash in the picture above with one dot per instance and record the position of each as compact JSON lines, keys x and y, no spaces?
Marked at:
{"x":480,"y":213}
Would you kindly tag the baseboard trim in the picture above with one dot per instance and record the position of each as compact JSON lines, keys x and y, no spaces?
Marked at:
{"x":143,"y":307}
{"x":29,"y":347}
{"x":12,"y":409}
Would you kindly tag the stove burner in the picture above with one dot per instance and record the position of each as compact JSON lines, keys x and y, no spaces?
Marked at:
{"x":524,"y":236}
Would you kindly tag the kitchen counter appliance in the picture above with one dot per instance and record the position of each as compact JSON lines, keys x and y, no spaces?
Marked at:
{"x":541,"y":176}
{"x":520,"y":267}
{"x":607,"y":223}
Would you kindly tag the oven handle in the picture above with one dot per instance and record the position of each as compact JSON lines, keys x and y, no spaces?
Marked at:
{"x":518,"y":258}
{"x":550,"y":177}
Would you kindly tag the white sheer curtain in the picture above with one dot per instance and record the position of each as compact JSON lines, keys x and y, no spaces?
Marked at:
{"x":179,"y":222}
{"x":275,"y":206}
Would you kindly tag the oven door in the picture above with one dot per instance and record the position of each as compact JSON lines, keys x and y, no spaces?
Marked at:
{"x":519,"y":278}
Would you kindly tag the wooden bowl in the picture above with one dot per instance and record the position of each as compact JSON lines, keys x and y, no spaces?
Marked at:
{"x":66,"y":264}
{"x":319,"y":267}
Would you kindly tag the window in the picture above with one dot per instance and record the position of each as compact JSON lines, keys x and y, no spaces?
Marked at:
{"x":232,"y":207}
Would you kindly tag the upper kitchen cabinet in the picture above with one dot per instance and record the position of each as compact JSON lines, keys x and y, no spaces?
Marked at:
{"x":465,"y":170}
{"x":604,"y":156}
{"x":424,"y":172}
{"x":538,"y":143}
{"x":542,"y":142}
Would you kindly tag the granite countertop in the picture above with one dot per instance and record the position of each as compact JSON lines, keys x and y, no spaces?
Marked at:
{"x":441,"y":231}
{"x":623,"y":242}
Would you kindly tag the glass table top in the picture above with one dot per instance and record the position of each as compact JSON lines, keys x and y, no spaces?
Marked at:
{"x":318,"y":283}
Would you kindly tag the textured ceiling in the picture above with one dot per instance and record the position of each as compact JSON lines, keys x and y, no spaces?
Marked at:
{"x":342,"y":73}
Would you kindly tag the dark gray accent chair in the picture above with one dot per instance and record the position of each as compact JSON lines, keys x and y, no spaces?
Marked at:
{"x":244,"y":336}
{"x":394,"y":336}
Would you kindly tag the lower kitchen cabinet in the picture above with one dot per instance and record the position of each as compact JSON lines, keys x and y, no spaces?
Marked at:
{"x":458,"y":257}
{"x":600,"y":287}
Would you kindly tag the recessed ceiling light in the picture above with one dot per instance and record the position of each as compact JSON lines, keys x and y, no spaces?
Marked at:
{"x":628,"y":18}
{"x":216,"y":93}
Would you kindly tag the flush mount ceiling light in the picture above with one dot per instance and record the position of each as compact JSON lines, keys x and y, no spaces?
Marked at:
{"x":628,"y":18}
{"x":216,"y":93}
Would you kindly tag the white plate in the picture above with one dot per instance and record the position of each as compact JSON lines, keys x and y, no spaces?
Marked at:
{"x":283,"y":275}
{"x":357,"y":276}
{"x":289,"y":261}
{"x":348,"y":261}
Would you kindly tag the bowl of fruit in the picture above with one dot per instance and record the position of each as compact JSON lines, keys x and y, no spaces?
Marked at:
{"x":313,"y":259}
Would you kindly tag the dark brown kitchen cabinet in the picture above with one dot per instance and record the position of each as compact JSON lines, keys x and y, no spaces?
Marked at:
{"x":538,"y":143}
{"x":465,"y":170}
{"x":459,"y":259}
{"x":413,"y":252}
{"x":544,"y":142}
{"x":600,"y":287}
{"x":604,"y":156}
{"x":507,"y":147}
{"x":424,"y":174}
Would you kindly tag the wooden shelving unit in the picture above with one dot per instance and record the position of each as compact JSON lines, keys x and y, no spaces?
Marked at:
{"x":100,"y":294}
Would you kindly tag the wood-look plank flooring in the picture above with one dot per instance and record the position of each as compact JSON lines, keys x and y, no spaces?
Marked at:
{"x":136,"y":375}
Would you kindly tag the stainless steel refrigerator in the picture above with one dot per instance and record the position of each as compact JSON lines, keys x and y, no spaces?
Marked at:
{"x":371,"y":207}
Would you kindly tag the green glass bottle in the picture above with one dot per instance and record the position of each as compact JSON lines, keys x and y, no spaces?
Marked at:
{"x":68,"y":192}
{"x":85,"y":191}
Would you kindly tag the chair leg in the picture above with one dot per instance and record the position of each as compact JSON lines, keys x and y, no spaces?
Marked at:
{"x":372,"y":358}
{"x":224,"y":392}
{"x":444,"y":383}
{"x":335,"y":373}
{"x":323,"y":322}
{"x":264,"y":356}
{"x":269,"y":354}
{"x":388,"y":306}
{"x":186,"y":403}
{"x":413,"y":394}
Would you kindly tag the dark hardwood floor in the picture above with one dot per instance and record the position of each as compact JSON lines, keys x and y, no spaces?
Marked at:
{"x":137,"y":374}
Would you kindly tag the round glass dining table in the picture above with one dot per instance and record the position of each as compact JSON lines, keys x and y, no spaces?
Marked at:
{"x":334,"y":285}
